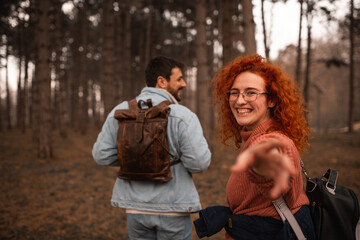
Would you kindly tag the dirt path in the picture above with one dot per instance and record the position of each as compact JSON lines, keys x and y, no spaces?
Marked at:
{"x":68,"y":197}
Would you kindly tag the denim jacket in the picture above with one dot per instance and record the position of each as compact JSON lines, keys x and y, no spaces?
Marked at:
{"x":186,"y":142}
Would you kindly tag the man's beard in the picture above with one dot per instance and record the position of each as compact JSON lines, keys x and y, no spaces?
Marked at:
{"x":175,"y":93}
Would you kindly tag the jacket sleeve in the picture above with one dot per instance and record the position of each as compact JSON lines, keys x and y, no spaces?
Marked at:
{"x":195,"y":154}
{"x":211,"y":220}
{"x":105,"y":150}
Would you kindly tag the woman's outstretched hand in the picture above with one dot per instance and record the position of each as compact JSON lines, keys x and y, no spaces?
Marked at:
{"x":265,"y":160}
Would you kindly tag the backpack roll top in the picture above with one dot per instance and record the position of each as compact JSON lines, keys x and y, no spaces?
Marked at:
{"x":143,"y":150}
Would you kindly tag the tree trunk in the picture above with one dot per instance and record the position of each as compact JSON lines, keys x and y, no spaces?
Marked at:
{"x":94,"y":104}
{"x":210,"y":62}
{"x":1,"y":108}
{"x":188,"y":98}
{"x":249,"y":27}
{"x":127,"y":55}
{"x":25,"y":101}
{"x":148,"y":34}
{"x":84,"y":118}
{"x":139,"y":68}
{"x":203,"y":83}
{"x":211,"y":37}
{"x":19,"y":97}
{"x":60,"y":86}
{"x":227,"y":26}
{"x":308,"y":54}
{"x":74,"y":77}
{"x":299,"y":49}
{"x":351,"y":79}
{"x":73,"y":89}
{"x":119,"y":63}
{"x":264,"y":30}
{"x":44,"y":139}
{"x":108,"y":56}
{"x":8,"y":97}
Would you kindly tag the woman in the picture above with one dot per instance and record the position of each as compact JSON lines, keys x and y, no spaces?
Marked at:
{"x":261,"y":108}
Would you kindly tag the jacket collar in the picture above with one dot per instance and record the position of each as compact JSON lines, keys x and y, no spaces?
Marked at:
{"x":161,"y":92}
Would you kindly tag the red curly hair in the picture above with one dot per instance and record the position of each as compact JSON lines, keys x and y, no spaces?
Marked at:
{"x":288,"y":112}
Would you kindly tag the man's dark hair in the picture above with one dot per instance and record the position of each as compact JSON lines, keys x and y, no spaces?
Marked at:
{"x":160,"y":66}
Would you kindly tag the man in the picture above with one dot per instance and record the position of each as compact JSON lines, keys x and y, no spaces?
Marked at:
{"x":160,"y":210}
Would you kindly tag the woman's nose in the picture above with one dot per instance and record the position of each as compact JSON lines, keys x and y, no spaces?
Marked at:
{"x":240,"y":99}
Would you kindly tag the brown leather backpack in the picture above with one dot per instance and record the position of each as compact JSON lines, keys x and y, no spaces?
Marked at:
{"x":143,"y":150}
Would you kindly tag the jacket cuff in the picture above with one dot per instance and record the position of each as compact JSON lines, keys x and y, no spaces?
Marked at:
{"x":212,"y":220}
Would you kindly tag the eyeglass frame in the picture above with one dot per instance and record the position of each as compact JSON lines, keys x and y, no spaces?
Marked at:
{"x":242,"y":94}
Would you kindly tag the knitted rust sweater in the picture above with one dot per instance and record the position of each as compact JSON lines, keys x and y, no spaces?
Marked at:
{"x":247,"y":192}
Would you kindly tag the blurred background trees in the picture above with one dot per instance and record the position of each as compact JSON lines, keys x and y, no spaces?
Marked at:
{"x":76,"y":60}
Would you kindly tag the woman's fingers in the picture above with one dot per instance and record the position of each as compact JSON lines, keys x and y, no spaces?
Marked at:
{"x":265,"y":160}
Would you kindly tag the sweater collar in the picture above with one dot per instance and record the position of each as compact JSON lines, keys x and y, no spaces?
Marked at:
{"x":262,"y":128}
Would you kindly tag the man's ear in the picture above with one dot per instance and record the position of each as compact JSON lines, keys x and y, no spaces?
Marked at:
{"x":161,"y":82}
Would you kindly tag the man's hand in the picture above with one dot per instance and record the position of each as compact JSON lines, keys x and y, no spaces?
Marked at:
{"x":265,"y":160}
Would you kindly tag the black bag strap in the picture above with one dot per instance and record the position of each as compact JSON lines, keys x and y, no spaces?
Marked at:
{"x":331,"y":178}
{"x":304,"y":169}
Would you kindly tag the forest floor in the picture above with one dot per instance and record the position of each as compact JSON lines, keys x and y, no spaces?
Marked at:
{"x":68,"y":197}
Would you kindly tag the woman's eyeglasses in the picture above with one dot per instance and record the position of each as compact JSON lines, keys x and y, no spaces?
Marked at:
{"x":248,"y":96}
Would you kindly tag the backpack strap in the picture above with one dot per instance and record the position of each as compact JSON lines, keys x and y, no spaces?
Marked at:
{"x":166,"y":102}
{"x":133,"y":104}
{"x":286,"y":214}
{"x":175,"y":162}
{"x":135,"y":108}
{"x":161,"y":105}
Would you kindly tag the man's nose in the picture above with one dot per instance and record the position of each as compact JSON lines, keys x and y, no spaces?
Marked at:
{"x":183,"y":83}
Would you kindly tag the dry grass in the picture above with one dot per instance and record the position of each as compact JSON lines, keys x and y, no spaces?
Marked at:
{"x":68,"y":197}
